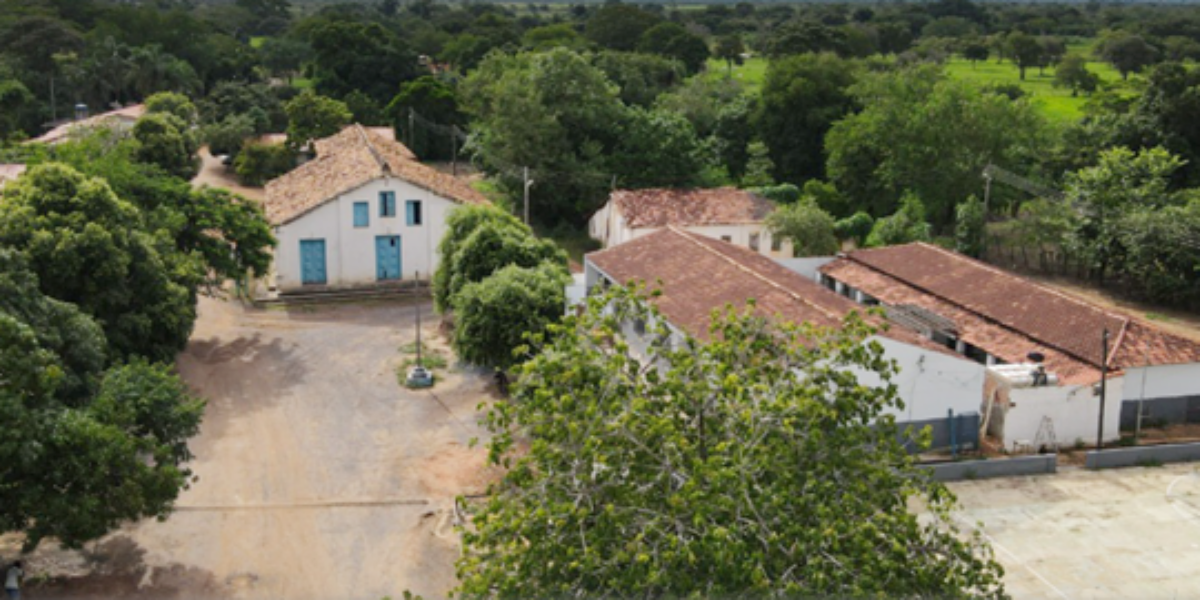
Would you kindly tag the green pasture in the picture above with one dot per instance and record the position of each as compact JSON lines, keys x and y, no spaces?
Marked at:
{"x":751,"y":73}
{"x":1056,"y":104}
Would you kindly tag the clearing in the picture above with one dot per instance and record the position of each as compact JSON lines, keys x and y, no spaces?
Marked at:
{"x":317,"y":475}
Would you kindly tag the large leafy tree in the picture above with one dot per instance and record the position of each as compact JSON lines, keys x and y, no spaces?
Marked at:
{"x":754,"y":464}
{"x":673,"y":41}
{"x":801,"y":99}
{"x":554,"y":113}
{"x":618,"y":26}
{"x":1127,"y":53}
{"x":460,"y":224}
{"x":492,"y":246}
{"x":922,"y":132}
{"x":312,"y":117}
{"x":1025,"y":51}
{"x":430,"y":132}
{"x":89,"y":248}
{"x":366,"y":57}
{"x":80,"y":450}
{"x":492,"y":317}
{"x":166,"y":140}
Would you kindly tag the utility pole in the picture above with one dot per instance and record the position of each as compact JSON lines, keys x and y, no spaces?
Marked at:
{"x":454,"y":149}
{"x":528,"y":184}
{"x":1103,"y":380}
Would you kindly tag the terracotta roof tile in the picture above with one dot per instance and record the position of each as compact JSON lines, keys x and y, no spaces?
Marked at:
{"x":1007,"y":315}
{"x":697,"y":275}
{"x":660,"y":207}
{"x":348,"y":160}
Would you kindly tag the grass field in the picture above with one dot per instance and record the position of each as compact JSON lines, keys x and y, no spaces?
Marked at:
{"x":751,"y":73}
{"x":1055,"y":103}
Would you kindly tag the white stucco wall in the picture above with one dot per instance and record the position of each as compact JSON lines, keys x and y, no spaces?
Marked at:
{"x":349,"y":250}
{"x":806,"y":266}
{"x":609,"y":228}
{"x":1072,"y":409}
{"x":1164,"y":381}
{"x":929,"y":382}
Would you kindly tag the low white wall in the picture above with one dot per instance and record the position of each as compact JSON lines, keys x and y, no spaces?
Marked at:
{"x":929,"y":382}
{"x":576,"y":291}
{"x":1165,"y":381}
{"x":806,"y":266}
{"x":1072,"y":409}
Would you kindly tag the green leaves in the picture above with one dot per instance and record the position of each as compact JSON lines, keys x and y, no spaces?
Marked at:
{"x":750,"y":464}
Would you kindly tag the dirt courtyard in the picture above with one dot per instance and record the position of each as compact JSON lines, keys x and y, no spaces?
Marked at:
{"x":318,"y":475}
{"x":1120,"y":533}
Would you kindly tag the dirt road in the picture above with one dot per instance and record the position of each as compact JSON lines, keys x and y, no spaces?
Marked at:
{"x":318,"y":475}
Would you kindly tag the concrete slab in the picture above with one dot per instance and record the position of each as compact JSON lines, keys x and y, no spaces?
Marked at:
{"x":1124,"y":533}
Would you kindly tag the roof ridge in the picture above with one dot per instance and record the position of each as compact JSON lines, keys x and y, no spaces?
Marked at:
{"x":771,"y":282}
{"x":379,"y":160}
{"x":987,"y":318}
{"x":1044,"y":288}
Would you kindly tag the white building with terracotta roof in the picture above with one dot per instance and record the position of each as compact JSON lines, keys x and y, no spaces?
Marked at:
{"x":998,"y":319}
{"x":729,"y":214}
{"x":696,"y":275}
{"x":363,"y":212}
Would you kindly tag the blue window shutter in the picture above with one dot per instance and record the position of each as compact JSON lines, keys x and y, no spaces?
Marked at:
{"x":362,"y":214}
{"x":387,"y":204}
{"x":413,"y":211}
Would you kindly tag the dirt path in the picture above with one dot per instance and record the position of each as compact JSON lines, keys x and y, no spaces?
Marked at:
{"x":318,"y":475}
{"x":215,"y":174}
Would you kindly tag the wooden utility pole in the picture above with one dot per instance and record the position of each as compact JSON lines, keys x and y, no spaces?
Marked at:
{"x":1103,"y":380}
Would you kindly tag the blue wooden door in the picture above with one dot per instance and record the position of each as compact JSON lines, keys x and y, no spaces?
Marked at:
{"x":387,"y":257}
{"x":312,"y":261}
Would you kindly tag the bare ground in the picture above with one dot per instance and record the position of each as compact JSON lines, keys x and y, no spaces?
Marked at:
{"x":318,"y":476}
{"x":214,"y":174}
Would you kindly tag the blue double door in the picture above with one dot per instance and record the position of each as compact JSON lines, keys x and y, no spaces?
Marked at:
{"x":312,"y":262}
{"x":387,"y":257}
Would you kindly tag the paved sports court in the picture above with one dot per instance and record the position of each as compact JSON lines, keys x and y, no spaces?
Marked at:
{"x":1121,"y":533}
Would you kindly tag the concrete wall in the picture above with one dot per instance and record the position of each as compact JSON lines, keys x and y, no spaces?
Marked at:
{"x":1073,"y":410}
{"x":350,"y":250}
{"x":1164,"y":381}
{"x":1040,"y":464}
{"x":929,"y":383}
{"x":1180,"y":409}
{"x":1133,"y":457}
{"x":806,"y":266}
{"x":962,"y":435}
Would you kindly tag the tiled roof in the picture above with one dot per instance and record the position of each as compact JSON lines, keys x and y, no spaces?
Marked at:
{"x":697,"y":275}
{"x":1006,"y":315}
{"x":387,"y":133}
{"x":62,"y":132}
{"x":661,"y":207}
{"x":348,"y":160}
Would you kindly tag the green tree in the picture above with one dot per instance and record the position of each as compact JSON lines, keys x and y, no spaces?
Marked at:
{"x":1161,"y":254}
{"x":619,"y":26}
{"x":673,"y":41}
{"x":856,"y":227}
{"x":1024,"y":51}
{"x":1072,"y":73}
{"x":312,"y":117}
{"x":460,"y":224}
{"x":905,"y":226}
{"x":1127,"y":53}
{"x":434,"y":101}
{"x":81,"y":450}
{"x":284,"y":56}
{"x":641,"y":78}
{"x":173,"y":103}
{"x":751,"y":465}
{"x":226,"y":137}
{"x":367,"y":57}
{"x":730,"y":49}
{"x":970,"y":222}
{"x":976,"y":51}
{"x":657,"y":149}
{"x":558,"y":35}
{"x":492,"y":246}
{"x":1122,"y":183}
{"x":87,"y":247}
{"x":166,"y":141}
{"x":256,"y":164}
{"x":14,"y":98}
{"x":923,"y":132}
{"x":492,"y":317}
{"x":804,"y":36}
{"x":801,"y":99}
{"x":554,"y":113}
{"x":809,"y":228}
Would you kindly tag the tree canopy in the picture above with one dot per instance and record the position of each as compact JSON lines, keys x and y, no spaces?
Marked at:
{"x":750,"y":464}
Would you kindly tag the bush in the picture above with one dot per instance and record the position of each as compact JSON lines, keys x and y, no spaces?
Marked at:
{"x":257,"y":164}
{"x":494,"y":316}
{"x":784,"y":193}
{"x":855,"y":227}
